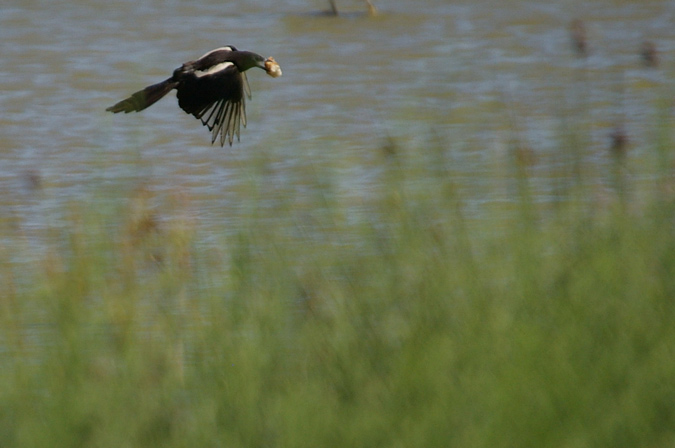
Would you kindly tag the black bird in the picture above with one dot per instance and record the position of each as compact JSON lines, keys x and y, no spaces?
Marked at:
{"x":211,"y":88}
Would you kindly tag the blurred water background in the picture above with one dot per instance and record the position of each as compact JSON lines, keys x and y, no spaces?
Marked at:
{"x":477,"y":79}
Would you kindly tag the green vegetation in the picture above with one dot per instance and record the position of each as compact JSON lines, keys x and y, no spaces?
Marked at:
{"x":315,"y":321}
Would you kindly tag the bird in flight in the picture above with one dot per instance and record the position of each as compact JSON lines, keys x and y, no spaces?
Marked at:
{"x":211,"y":88}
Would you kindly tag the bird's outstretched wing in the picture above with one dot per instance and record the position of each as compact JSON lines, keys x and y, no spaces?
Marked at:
{"x":216,"y":97}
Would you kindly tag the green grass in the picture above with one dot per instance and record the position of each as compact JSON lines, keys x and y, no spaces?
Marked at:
{"x":410,"y":324}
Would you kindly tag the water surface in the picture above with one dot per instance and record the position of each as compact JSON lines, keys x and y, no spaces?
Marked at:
{"x":475,"y":76}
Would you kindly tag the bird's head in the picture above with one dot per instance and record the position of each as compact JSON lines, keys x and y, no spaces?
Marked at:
{"x":245,"y":60}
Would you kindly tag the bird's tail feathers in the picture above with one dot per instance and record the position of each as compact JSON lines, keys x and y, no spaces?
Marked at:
{"x":144,"y":98}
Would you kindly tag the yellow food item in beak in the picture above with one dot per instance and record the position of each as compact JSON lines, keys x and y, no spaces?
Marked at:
{"x":272,"y":68}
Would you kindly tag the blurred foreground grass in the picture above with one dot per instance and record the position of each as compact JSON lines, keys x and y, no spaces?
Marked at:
{"x":410,"y":324}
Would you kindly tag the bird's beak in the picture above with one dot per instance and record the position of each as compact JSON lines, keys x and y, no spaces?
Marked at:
{"x":272,"y":67}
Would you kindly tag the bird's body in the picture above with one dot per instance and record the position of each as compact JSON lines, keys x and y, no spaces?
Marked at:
{"x":212,"y":88}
